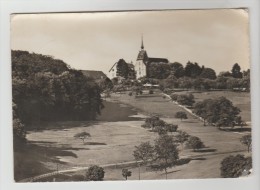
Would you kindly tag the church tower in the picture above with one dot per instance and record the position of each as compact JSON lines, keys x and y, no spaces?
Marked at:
{"x":141,"y":61}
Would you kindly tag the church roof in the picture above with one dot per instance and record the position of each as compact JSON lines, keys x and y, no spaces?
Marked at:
{"x":142,"y":55}
{"x":155,"y":59}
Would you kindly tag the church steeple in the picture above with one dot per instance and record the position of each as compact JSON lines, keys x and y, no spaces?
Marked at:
{"x":142,"y":43}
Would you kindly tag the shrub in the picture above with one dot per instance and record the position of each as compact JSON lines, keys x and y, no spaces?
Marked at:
{"x":174,"y":97}
{"x":233,"y":166}
{"x":195,"y":143}
{"x":130,"y":93}
{"x":126,"y":173}
{"x":150,"y":91}
{"x":247,"y":141}
{"x":95,"y":173}
{"x":171,"y":127}
{"x":181,"y":114}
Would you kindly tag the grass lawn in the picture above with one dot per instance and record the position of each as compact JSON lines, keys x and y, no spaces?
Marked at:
{"x":240,"y":99}
{"x":114,"y":141}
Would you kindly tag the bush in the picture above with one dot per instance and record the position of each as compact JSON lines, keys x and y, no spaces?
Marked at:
{"x":233,"y":166}
{"x":151,"y":91}
{"x":174,"y":97}
{"x":171,"y":127}
{"x":195,"y":143}
{"x":130,"y":93}
{"x":181,"y":114}
{"x":95,"y":173}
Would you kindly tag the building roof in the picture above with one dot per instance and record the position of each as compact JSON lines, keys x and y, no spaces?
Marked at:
{"x":94,"y":74}
{"x":142,"y":55}
{"x":155,"y":59}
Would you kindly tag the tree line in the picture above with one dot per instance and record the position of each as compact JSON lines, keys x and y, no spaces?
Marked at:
{"x":47,"y":89}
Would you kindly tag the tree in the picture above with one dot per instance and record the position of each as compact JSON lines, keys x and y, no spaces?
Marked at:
{"x":158,"y":70}
{"x":95,"y":173}
{"x":177,"y":69}
{"x":166,"y":152}
{"x":143,"y":154}
{"x":208,"y":73}
{"x":182,"y":137}
{"x":122,"y":69}
{"x":19,"y":133}
{"x":236,"y":73}
{"x":181,"y":114}
{"x":171,"y":127}
{"x":187,"y":100}
{"x":126,"y":173}
{"x":192,"y":70}
{"x":247,"y":141}
{"x":219,"y":111}
{"x":233,"y":166}
{"x":82,"y":136}
{"x":195,"y":143}
{"x":153,"y":122}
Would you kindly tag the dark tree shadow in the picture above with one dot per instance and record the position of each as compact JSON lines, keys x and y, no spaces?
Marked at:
{"x":236,"y":129}
{"x":207,"y":150}
{"x":29,"y":158}
{"x":94,"y":143}
{"x":198,"y":159}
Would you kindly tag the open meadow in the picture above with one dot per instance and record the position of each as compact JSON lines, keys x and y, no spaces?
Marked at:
{"x":112,"y":142}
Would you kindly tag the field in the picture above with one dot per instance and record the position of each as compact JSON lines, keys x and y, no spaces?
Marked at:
{"x":239,"y":99}
{"x":113,"y":142}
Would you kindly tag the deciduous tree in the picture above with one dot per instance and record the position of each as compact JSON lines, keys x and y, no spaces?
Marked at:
{"x":166,"y":152}
{"x":247,"y":141}
{"x":95,"y":173}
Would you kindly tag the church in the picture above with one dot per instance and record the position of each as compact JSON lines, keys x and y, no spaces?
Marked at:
{"x":143,"y":62}
{"x":141,"y":66}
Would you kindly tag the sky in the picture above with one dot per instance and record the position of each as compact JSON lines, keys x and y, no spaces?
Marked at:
{"x":95,"y":41}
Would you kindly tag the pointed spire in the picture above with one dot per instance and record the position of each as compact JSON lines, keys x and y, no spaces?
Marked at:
{"x":142,"y":45}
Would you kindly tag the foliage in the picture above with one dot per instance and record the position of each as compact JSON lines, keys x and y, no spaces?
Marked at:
{"x":192,"y":70}
{"x":233,"y":166}
{"x":177,"y":69}
{"x":158,"y":71}
{"x":82,"y":136}
{"x":144,"y":153}
{"x":181,"y":114}
{"x":208,"y":73}
{"x":95,"y":173}
{"x":171,"y":127}
{"x":126,"y":173}
{"x":105,"y":84}
{"x":181,"y":137}
{"x":150,"y":91}
{"x":187,"y":100}
{"x":236,"y":71}
{"x":19,"y":133}
{"x":194,"y":143}
{"x":46,"y":89}
{"x":166,"y":152}
{"x":122,"y":68}
{"x":247,"y":141}
{"x":174,"y":97}
{"x":219,"y":111}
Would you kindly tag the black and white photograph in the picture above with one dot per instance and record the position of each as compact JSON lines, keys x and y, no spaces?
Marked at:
{"x":131,"y":95}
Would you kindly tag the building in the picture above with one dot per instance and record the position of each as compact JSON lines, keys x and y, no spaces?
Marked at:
{"x":143,"y":62}
{"x":113,"y":72}
{"x":96,"y":75}
{"x":141,"y":67}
